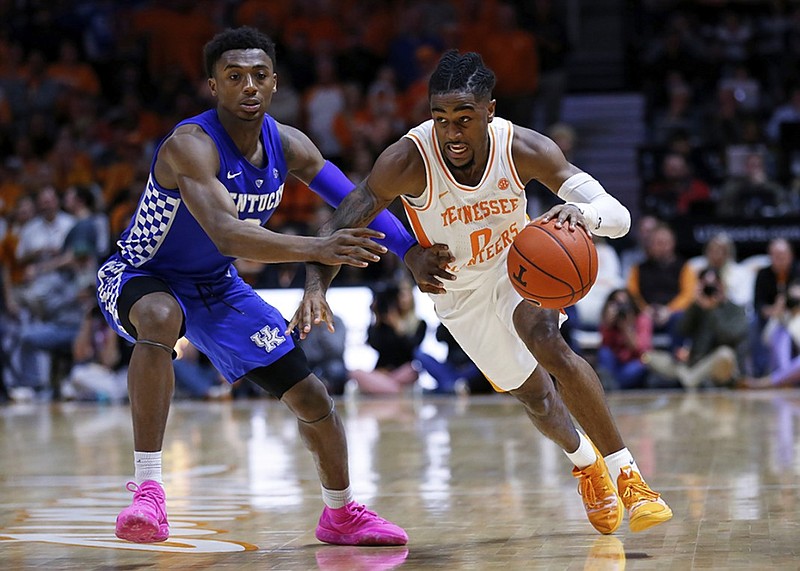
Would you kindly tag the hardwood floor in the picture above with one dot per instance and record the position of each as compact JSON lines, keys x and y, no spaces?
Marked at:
{"x":473,"y":483}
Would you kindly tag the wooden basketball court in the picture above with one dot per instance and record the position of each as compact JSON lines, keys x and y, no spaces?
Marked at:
{"x":473,"y":483}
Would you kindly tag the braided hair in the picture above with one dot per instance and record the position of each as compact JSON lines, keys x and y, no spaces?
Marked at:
{"x":462,"y":73}
{"x":243,"y":38}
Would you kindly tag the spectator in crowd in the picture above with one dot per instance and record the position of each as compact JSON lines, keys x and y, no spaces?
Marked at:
{"x":787,"y":112}
{"x":636,"y":252}
{"x":609,"y":278}
{"x":510,"y":51}
{"x":396,"y":331}
{"x":782,"y":337}
{"x":626,"y":335}
{"x":755,"y":194}
{"x":679,"y":114}
{"x":552,"y":48}
{"x":55,"y":304}
{"x":663,"y":285}
{"x":13,"y":270}
{"x":714,"y":330}
{"x":769,"y":297}
{"x":720,"y":254}
{"x":325,"y":353}
{"x":676,"y":191}
{"x":195,"y":376}
{"x":323,"y":103}
{"x":99,"y":370}
{"x":42,"y":238}
{"x":458,"y":373}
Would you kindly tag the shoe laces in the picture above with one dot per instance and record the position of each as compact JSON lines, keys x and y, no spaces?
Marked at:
{"x":152,"y":495}
{"x":360,"y":512}
{"x":636,"y":490}
{"x":588,"y":487}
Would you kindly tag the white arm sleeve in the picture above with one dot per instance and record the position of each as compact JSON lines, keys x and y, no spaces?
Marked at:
{"x":604,"y":214}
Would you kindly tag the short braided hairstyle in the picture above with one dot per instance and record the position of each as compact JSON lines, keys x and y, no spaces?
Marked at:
{"x":243,"y":38}
{"x":462,"y":73}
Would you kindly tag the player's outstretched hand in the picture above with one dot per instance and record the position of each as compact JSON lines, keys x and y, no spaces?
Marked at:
{"x":350,"y":246}
{"x":429,"y":266}
{"x":313,"y":310}
{"x":564,"y":213}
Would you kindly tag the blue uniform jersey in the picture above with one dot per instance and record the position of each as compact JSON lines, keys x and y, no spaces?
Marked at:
{"x":164,"y":238}
{"x":224,"y":317}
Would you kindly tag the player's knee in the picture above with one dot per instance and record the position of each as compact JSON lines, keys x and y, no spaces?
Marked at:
{"x":157,"y":316}
{"x":537,"y":403}
{"x":308,"y":399}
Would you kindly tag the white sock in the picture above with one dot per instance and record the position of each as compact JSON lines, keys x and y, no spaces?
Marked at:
{"x":147,"y":466}
{"x":336,"y":499}
{"x":617,"y":461}
{"x":585,"y":455}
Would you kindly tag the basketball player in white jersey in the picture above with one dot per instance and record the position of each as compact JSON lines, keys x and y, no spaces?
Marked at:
{"x":462,"y":177}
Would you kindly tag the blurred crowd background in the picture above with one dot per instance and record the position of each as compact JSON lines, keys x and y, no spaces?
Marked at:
{"x":88,"y":88}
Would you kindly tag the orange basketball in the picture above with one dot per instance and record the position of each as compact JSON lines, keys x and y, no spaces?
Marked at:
{"x":552,"y":267}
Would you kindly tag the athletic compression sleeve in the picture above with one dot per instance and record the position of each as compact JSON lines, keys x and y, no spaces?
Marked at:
{"x":332,"y":185}
{"x":604,"y":214}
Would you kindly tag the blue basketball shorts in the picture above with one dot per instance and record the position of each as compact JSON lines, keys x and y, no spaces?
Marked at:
{"x":225,"y":319}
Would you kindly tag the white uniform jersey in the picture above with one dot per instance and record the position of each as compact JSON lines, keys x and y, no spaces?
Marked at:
{"x":478,"y":223}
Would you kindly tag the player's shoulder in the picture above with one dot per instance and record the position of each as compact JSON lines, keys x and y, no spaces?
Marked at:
{"x":298,"y":148}
{"x":402,"y":156}
{"x":401,"y":168}
{"x":188,"y":138}
{"x":531,"y":144}
{"x":188,"y":149}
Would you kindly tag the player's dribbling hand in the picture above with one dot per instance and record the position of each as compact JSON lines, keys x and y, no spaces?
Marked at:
{"x":313,"y":310}
{"x":565,"y":213}
{"x":351,"y":247}
{"x":429,"y":266}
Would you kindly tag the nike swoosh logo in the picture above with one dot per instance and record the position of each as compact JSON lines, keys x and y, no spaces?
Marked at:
{"x":233,"y":174}
{"x":441,"y":194}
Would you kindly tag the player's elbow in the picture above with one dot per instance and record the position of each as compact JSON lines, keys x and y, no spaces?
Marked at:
{"x":623,"y":224}
{"x":227,"y":242}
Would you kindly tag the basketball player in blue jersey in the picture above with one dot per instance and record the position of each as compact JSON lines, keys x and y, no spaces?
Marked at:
{"x":214,"y":181}
{"x":462,"y":178}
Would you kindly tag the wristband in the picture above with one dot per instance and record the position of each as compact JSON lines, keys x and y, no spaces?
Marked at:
{"x":332,"y":186}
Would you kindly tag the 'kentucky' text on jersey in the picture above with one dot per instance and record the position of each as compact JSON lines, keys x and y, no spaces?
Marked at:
{"x":164,"y":236}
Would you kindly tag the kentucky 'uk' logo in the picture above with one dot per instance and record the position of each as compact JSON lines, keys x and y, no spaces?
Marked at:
{"x":268,"y":338}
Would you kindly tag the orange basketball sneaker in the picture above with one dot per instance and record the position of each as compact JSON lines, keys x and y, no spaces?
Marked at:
{"x":603,"y":506}
{"x":645,"y":507}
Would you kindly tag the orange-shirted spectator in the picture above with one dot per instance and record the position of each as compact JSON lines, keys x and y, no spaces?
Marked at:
{"x":122,"y":167}
{"x":378,"y":27}
{"x":475,"y":24}
{"x":664,"y":284}
{"x":71,"y":72}
{"x":142,"y":124}
{"x":121,"y":210}
{"x":174,"y":36}
{"x":12,"y":59}
{"x":416,"y":108}
{"x":10,"y":190}
{"x":71,"y":165}
{"x":298,"y":205}
{"x":510,"y":51}
{"x":269,"y":16}
{"x":320,"y":26}
{"x":13,"y":270}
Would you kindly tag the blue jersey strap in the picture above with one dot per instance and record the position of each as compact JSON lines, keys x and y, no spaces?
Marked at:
{"x":332,"y":185}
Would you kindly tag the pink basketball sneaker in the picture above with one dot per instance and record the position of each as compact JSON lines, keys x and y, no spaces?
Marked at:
{"x":145,"y":520}
{"x":354,"y":524}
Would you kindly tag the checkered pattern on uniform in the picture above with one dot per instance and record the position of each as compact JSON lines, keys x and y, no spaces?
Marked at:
{"x":110,"y":277}
{"x":153,"y":219}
